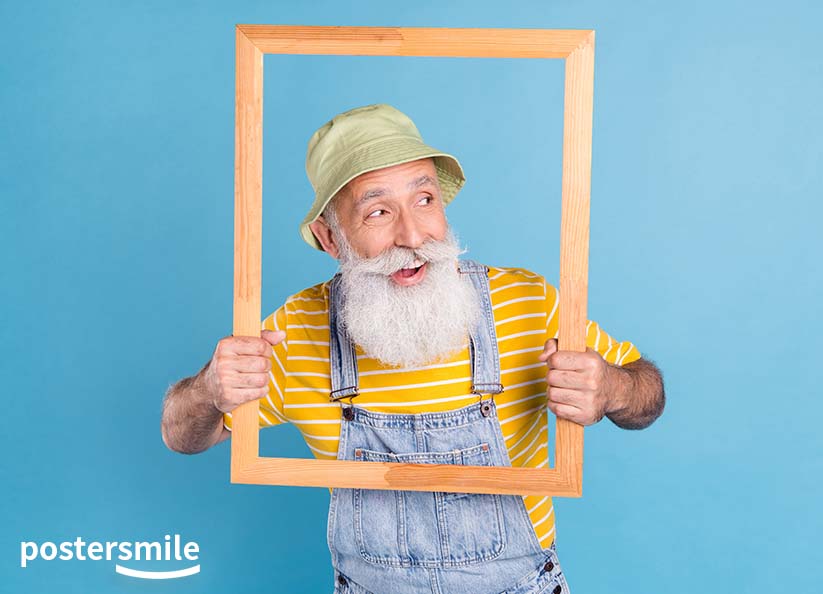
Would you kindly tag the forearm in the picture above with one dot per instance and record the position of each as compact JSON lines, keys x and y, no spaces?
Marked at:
{"x":191,"y":423}
{"x":637,"y":395}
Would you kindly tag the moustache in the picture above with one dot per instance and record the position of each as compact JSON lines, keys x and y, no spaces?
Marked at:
{"x":396,"y":258}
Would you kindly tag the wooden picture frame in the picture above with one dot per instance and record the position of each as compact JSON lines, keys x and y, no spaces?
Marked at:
{"x":576,"y":47}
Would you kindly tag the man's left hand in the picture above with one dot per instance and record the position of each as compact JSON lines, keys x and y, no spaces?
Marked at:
{"x":581,"y":386}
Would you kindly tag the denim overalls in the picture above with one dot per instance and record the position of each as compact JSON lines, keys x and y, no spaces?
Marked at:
{"x":385,"y":542}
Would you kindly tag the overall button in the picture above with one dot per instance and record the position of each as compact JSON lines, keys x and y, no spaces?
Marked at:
{"x":341,"y":580}
{"x":485,"y":409}
{"x":548,"y":566}
{"x":557,"y":589}
{"x":348,"y":414}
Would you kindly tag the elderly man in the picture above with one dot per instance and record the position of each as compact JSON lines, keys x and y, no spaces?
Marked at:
{"x":410,"y":354}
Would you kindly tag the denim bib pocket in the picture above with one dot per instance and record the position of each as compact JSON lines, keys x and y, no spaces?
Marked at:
{"x":428,"y":529}
{"x":548,"y":578}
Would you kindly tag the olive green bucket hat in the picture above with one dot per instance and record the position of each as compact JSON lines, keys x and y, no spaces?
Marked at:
{"x":362,"y":140}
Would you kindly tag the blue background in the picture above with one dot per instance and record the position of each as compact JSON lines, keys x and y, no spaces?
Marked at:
{"x":116,"y":178}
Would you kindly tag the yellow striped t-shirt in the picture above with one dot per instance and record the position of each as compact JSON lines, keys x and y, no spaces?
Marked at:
{"x":525,"y":311}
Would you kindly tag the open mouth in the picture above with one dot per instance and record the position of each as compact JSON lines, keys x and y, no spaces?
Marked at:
{"x":410,"y":275}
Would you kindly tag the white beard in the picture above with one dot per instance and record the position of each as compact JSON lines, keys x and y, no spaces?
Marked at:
{"x":407,"y":326}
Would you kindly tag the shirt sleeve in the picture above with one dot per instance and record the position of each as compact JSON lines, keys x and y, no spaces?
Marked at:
{"x":271,"y":407}
{"x":613,"y":351}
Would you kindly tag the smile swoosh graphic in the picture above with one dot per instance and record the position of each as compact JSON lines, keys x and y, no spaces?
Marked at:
{"x":157,"y":575}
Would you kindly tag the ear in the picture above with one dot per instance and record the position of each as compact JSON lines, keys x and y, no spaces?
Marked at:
{"x":324,"y":235}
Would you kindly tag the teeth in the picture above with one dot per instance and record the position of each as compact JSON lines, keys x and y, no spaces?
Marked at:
{"x":415,"y":264}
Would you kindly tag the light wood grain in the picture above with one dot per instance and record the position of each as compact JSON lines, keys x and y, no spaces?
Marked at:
{"x":574,"y":237}
{"x":577,"y":47}
{"x":248,"y":228}
{"x":415,"y":41}
{"x":408,"y":477}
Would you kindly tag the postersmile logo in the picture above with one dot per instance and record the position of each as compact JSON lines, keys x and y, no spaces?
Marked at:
{"x":170,"y":549}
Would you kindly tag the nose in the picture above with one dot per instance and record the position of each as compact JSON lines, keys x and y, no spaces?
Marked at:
{"x":409,"y":233}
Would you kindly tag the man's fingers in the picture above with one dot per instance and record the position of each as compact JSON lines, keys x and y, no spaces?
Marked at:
{"x":227,"y":365}
{"x":568,"y":360}
{"x":239,"y":396}
{"x":548,"y":349}
{"x":574,"y":380}
{"x":562,"y":396}
{"x":246,"y":380}
{"x":244,"y":345}
{"x":242,"y":371}
{"x":248,"y":394}
{"x":273,"y":336}
{"x":565,"y":411}
{"x":248,"y":364}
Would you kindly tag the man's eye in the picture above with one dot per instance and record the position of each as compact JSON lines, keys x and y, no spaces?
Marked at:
{"x":375,"y":213}
{"x":426,"y":200}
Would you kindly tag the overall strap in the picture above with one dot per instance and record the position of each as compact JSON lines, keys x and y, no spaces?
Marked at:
{"x":485,"y":362}
{"x":342,"y":357}
{"x":483,"y":353}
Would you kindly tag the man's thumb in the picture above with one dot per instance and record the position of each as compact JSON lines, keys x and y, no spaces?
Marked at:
{"x":272,"y":336}
{"x":548,"y":350}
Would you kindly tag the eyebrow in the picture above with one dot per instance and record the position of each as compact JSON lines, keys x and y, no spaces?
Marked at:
{"x":419,"y":182}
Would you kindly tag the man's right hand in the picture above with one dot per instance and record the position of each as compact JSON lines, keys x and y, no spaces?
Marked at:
{"x":239,"y":369}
